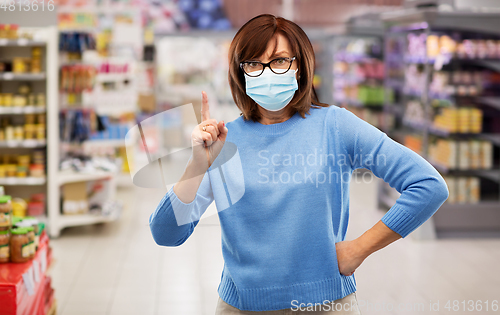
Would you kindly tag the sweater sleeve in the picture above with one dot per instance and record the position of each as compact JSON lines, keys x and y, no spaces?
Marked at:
{"x":423,"y":190}
{"x":174,"y":221}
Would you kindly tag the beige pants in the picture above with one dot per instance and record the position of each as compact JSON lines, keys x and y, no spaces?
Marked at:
{"x":339,"y":307}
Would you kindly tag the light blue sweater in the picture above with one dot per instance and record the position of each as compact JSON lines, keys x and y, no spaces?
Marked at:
{"x":278,"y":240}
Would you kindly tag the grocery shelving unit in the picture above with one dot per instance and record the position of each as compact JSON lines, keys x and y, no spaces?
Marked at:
{"x":44,"y":82}
{"x":454,"y":219}
{"x":357,"y":54}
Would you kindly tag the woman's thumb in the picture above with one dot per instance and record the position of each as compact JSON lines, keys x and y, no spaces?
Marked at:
{"x":222,"y":130}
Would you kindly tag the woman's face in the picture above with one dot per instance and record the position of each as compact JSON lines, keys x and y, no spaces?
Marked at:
{"x":283,"y":50}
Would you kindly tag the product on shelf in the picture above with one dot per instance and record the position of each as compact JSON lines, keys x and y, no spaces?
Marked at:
{"x":9,"y":31}
{"x":36,"y":205}
{"x":33,"y":225}
{"x":23,"y":97}
{"x":24,"y":65}
{"x":463,"y":189}
{"x":5,"y":213}
{"x":22,"y":165}
{"x":459,"y":120}
{"x":73,"y":44}
{"x":32,"y":129}
{"x":461,"y":83}
{"x":4,"y":246}
{"x":463,"y":155}
{"x":20,"y":247}
{"x":77,"y":78}
{"x":358,"y":73}
{"x":421,"y":46}
{"x":19,"y":207}
{"x":413,"y":142}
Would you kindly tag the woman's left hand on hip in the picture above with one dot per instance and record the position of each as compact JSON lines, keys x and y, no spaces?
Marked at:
{"x":349,"y":257}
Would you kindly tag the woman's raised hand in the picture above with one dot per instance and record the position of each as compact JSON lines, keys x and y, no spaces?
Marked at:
{"x":208,"y":137}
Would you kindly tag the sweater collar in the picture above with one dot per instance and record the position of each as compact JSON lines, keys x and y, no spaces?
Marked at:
{"x":273,"y":129}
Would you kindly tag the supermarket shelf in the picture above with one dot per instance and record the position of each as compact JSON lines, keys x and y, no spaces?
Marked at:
{"x":492,"y":174}
{"x":74,"y":177}
{"x":83,"y":219}
{"x":492,"y":137}
{"x":451,"y":220}
{"x":22,"y":181}
{"x":23,"y":144}
{"x":30,"y":109}
{"x":9,"y":76}
{"x":21,"y":42}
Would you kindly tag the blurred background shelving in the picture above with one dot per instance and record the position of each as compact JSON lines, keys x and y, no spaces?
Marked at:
{"x":445,"y":79}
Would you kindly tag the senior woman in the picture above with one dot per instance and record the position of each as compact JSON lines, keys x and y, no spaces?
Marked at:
{"x":283,"y":240}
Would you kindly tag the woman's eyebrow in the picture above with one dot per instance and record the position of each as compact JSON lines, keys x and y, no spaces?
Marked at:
{"x":280,"y":54}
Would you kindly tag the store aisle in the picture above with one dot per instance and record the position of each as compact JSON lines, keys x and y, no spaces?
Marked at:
{"x":118,"y":269}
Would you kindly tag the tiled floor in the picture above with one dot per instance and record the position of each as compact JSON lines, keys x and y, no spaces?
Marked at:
{"x":118,"y":269}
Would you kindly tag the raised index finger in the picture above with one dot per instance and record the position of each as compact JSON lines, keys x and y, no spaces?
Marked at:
{"x":205,"y":111}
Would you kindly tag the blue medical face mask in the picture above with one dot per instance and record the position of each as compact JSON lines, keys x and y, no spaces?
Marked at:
{"x":270,"y":90}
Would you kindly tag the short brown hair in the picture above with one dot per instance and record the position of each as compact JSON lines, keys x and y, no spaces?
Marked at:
{"x":251,"y":41}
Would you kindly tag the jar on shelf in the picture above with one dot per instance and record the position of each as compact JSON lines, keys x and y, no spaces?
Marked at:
{"x":40,"y":131}
{"x":7,"y":99}
{"x":3,"y":31}
{"x":19,"y":207}
{"x":40,"y":99}
{"x":36,"y":66}
{"x":4,"y":246}
{"x":29,"y":131}
{"x":20,"y":248}
{"x":12,"y":30}
{"x":28,"y":225}
{"x":22,"y":171}
{"x":19,"y":100}
{"x":10,"y":170}
{"x":23,"y":160}
{"x":2,"y":171}
{"x":19,"y":65}
{"x":18,"y":133}
{"x":9,"y":133}
{"x":31,"y":238}
{"x":37,"y":170}
{"x":33,"y":223}
{"x":5,"y":213}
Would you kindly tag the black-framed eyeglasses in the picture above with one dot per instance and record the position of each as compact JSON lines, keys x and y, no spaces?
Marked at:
{"x":256,"y":68}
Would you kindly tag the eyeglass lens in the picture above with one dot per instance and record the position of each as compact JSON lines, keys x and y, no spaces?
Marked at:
{"x":279,"y":66}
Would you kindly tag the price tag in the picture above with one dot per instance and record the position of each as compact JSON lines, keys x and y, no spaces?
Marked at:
{"x":8,"y":76}
{"x":43,"y":261}
{"x":36,"y":270}
{"x":28,"y":281}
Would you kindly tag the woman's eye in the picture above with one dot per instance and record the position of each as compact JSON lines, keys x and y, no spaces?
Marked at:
{"x":280,"y":61}
{"x":253,"y":64}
